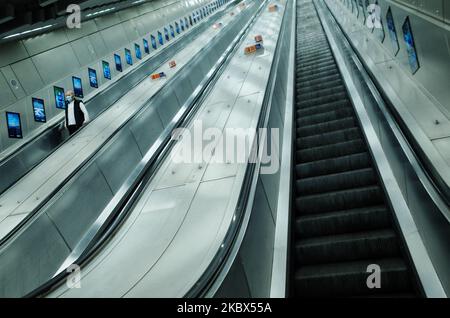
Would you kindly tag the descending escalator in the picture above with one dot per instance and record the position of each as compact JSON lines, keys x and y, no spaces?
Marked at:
{"x":342,"y":220}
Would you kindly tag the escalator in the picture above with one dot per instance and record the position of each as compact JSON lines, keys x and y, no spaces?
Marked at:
{"x":342,"y":221}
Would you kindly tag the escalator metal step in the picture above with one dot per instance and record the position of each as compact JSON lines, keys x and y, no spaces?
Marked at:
{"x":321,"y":100}
{"x":305,"y":77}
{"x":318,"y":109}
{"x":325,"y":117}
{"x":320,"y":93}
{"x":339,"y":200}
{"x":333,"y":81}
{"x":333,"y":137}
{"x":344,"y":221}
{"x":350,"y":279}
{"x":327,"y":127}
{"x":346,"y":247}
{"x":333,"y":165}
{"x":337,"y":181}
{"x":330,"y":151}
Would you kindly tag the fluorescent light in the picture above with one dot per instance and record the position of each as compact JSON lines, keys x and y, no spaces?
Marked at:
{"x":99,"y":12}
{"x":28,"y":31}
{"x":138,"y":1}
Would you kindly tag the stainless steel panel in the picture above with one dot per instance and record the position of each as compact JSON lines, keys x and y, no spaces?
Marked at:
{"x":84,"y":51}
{"x":28,"y":76}
{"x":257,"y":246}
{"x":182,"y":88}
{"x":32,"y":258}
{"x":7,"y":97}
{"x":89,"y":27}
{"x":130,"y":30}
{"x":236,"y":282}
{"x":117,"y":162}
{"x":46,"y":41}
{"x":146,"y":129}
{"x":100,"y":48}
{"x":11,"y":52}
{"x":447,"y":12}
{"x":78,"y":207}
{"x":167,"y":105}
{"x":49,"y":64}
{"x":195,"y":75}
{"x":114,"y":37}
{"x":13,"y":82}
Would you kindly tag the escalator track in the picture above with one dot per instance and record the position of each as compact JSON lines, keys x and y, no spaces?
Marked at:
{"x":342,"y":221}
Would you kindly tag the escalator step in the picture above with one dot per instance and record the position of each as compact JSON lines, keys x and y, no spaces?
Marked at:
{"x":302,"y":95}
{"x":328,"y":138}
{"x":311,"y":59}
{"x":321,"y":100}
{"x":337,"y":181}
{"x":347,"y":247}
{"x":330,"y":151}
{"x":332,"y":81}
{"x":338,"y":104}
{"x":318,"y":75}
{"x":334,"y":125}
{"x":325,"y":117}
{"x":350,"y":278}
{"x":319,"y":69}
{"x":315,"y":61}
{"x":333,"y":165}
{"x":340,"y":222}
{"x":312,"y":67}
{"x":339,"y":200}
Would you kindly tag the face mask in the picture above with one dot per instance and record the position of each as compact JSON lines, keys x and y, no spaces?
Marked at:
{"x":69,"y":99}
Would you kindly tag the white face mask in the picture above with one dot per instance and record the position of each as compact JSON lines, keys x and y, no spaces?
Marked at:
{"x":69,"y":99}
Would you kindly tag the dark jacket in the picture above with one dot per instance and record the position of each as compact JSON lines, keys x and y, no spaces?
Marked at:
{"x":79,"y":115}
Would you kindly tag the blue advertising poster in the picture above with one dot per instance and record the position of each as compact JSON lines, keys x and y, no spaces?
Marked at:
{"x":166,"y":34}
{"x":14,"y":125}
{"x":392,"y":31}
{"x":194,"y":17}
{"x":177,"y":27}
{"x":77,"y":87}
{"x":128,"y":57}
{"x":39,"y":110}
{"x":153,"y":40}
{"x":118,"y":62}
{"x":186,"y":22}
{"x":106,"y":70}
{"x":60,"y":100}
{"x":146,"y":47}
{"x":182,"y":24}
{"x":93,"y":81}
{"x":160,"y":38}
{"x":137,"y":51}
{"x":410,"y":46}
{"x":172,"y":31}
{"x":190,"y":21}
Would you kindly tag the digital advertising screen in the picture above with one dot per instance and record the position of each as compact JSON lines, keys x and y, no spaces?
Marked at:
{"x":166,"y":34}
{"x":392,"y":31}
{"x":182,"y":24}
{"x":190,"y":21}
{"x":77,"y":87}
{"x":410,"y":46}
{"x":172,"y":30}
{"x":14,"y":125}
{"x":118,"y":62}
{"x":153,"y":40}
{"x":160,"y":38}
{"x":194,"y":17}
{"x":177,"y":27}
{"x":93,"y":80}
{"x":137,"y":51}
{"x":186,"y":22}
{"x":60,"y":99}
{"x":106,"y":70}
{"x":146,"y":47}
{"x":39,"y":110}
{"x":128,"y":57}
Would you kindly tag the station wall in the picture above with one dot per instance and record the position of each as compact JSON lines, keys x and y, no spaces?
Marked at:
{"x":31,"y":67}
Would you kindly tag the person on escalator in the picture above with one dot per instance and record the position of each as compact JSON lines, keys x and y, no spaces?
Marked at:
{"x":76,"y":113}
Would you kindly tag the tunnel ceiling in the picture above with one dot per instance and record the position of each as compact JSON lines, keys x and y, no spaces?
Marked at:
{"x":18,"y":16}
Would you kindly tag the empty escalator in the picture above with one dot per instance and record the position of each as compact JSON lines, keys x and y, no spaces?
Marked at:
{"x":342,"y":220}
